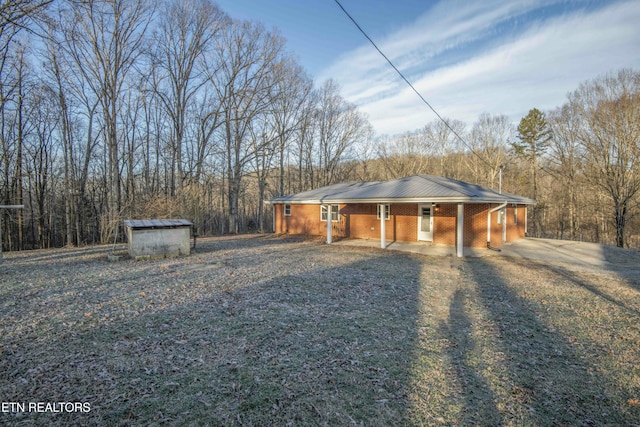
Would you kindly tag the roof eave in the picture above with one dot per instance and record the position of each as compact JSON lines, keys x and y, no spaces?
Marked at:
{"x":404,"y":200}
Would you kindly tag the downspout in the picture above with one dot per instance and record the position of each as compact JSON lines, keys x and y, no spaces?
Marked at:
{"x":383,"y":226}
{"x":329,"y":238}
{"x":497,"y":208}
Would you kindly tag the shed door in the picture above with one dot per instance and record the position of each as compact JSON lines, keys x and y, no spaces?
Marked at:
{"x":425,"y":223}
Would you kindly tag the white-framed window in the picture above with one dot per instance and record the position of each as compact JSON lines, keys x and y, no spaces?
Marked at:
{"x":500,"y":215}
{"x":287,"y":210}
{"x":335,"y":209}
{"x":386,"y":211}
{"x":515,"y":214}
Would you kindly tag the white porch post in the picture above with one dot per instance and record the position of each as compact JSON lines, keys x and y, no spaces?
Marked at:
{"x":383,"y":227}
{"x":504,"y":225}
{"x":460,"y":231}
{"x":328,"y":224}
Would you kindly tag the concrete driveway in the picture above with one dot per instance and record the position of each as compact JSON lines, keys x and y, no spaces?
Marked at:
{"x":578,"y":254}
{"x":558,"y":250}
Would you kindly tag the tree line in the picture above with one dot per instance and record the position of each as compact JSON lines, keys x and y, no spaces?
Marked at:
{"x":133,"y":109}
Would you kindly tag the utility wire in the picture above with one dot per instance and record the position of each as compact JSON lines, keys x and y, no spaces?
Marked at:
{"x":411,"y":85}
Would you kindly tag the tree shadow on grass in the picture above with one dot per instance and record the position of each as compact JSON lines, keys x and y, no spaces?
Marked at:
{"x":327,"y":345}
{"x":550,"y":380}
{"x":576,"y":279}
{"x":480,"y":406}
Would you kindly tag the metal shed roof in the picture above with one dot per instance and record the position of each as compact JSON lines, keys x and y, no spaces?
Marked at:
{"x":416,"y":188}
{"x":157,"y":223}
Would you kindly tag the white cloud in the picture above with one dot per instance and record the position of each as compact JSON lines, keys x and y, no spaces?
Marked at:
{"x":535,"y":68}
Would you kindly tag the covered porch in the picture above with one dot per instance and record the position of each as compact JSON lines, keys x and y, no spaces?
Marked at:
{"x":423,"y":248}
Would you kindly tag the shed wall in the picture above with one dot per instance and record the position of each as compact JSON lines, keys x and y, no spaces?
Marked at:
{"x":158,"y":242}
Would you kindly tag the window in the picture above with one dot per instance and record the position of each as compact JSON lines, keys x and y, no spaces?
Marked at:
{"x":335,"y":209}
{"x":386,"y":211}
{"x":287,"y":210}
{"x":515,"y":214}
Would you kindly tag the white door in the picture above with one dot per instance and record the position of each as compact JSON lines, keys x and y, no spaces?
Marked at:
{"x":425,"y":223}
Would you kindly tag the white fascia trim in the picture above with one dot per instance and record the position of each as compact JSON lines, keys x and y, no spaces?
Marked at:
{"x":418,"y":200}
{"x":298,"y":202}
{"x":388,"y":201}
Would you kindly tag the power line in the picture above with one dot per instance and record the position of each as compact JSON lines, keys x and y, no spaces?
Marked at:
{"x":411,"y":85}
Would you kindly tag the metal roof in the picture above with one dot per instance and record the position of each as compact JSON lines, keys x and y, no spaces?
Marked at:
{"x":416,"y":188}
{"x":157,"y":223}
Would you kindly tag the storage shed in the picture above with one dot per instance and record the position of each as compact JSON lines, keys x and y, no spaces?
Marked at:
{"x":157,"y":238}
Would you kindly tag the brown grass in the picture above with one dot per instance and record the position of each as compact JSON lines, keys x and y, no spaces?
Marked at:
{"x":276,"y":331}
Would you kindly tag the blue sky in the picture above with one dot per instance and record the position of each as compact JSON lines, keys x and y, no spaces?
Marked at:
{"x":464,"y":57}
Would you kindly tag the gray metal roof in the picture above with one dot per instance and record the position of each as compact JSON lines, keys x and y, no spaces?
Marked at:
{"x":157,"y":223}
{"x":417,"y":188}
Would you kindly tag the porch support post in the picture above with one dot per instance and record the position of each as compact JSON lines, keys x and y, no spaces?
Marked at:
{"x":329,"y":240}
{"x":383,"y":227}
{"x":504,"y":225}
{"x":460,"y":231}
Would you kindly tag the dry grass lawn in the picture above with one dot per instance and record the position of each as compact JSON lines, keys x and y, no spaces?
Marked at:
{"x":274,"y":331}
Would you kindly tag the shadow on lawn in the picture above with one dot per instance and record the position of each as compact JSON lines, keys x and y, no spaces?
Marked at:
{"x":575,"y":279}
{"x":479,"y":399}
{"x":329,"y":345}
{"x":548,"y":378}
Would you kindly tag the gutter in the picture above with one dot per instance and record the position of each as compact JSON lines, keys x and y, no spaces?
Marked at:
{"x":497,"y":208}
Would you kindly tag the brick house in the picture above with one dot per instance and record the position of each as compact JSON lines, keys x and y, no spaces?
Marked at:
{"x":419,"y":208}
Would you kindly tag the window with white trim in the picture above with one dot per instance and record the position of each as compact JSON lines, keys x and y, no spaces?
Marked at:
{"x":386,"y":211}
{"x":515,"y":214}
{"x":335,"y":209}
{"x":287,"y":210}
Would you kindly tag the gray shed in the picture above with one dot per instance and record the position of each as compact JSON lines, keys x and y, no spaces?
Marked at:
{"x":157,"y":238}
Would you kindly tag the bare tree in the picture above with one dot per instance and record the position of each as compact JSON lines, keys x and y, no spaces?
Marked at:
{"x":105,"y":39}
{"x":444,"y":143}
{"x":245,"y":61}
{"x":40,"y":166}
{"x":489,"y":138}
{"x":406,"y":154}
{"x":340,"y":127}
{"x":184,"y":35}
{"x":304,"y":142}
{"x":565,"y":157}
{"x":289,"y":96}
{"x":14,"y":15}
{"x":609,"y":134}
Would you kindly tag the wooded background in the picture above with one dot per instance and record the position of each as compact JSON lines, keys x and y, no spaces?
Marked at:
{"x":134,"y":109}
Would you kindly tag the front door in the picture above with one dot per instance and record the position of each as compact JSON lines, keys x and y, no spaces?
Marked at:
{"x":425,"y":223}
